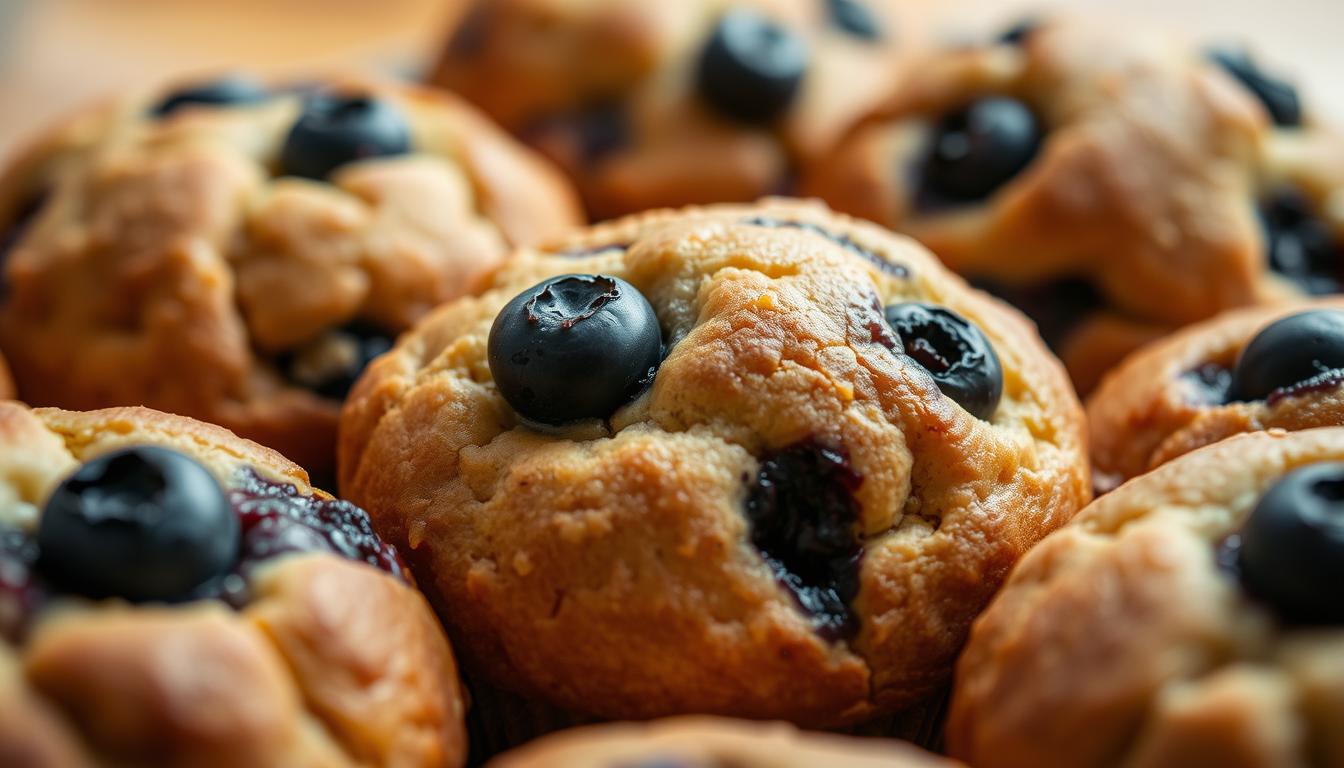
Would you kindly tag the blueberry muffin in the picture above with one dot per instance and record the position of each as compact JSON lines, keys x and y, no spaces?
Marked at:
{"x":658,"y":104}
{"x":1191,"y":617}
{"x":753,"y":460}
{"x":237,"y":254}
{"x":1246,"y":370}
{"x":705,"y":742}
{"x":173,"y":595}
{"x":1113,"y":183}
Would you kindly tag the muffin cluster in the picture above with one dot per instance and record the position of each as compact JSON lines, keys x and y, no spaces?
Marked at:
{"x":1024,"y":441}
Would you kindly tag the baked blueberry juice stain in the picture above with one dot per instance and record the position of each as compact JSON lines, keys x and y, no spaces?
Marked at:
{"x":804,"y":522}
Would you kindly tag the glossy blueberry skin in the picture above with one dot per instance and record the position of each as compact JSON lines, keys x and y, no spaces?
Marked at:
{"x":956,"y":354}
{"x":335,"y":129}
{"x":975,"y":151}
{"x":142,"y":524}
{"x":855,"y":18}
{"x":1292,"y":545}
{"x":1299,"y":245}
{"x":1288,"y":352}
{"x":226,"y":91}
{"x":1279,"y":97}
{"x":751,"y":67}
{"x":574,"y":347}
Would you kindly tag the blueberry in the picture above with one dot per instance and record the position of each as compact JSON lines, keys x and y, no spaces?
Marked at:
{"x":142,"y":523}
{"x":336,"y":129}
{"x":854,"y":17}
{"x":331,"y":365}
{"x":574,"y":347}
{"x":804,"y":521}
{"x":976,"y":150}
{"x":1288,"y":352}
{"x":21,"y":592}
{"x":234,"y":89}
{"x":956,"y":353}
{"x":751,"y":67}
{"x":1278,"y":96}
{"x":1292,"y":545}
{"x":1299,"y":245}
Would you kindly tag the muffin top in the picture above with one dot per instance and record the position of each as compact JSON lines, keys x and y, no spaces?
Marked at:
{"x":1189,"y":617}
{"x":1245,"y":370}
{"x":755,"y":460}
{"x":237,"y":253}
{"x":170,"y":593}
{"x":1112,"y":181}
{"x":655,"y":104}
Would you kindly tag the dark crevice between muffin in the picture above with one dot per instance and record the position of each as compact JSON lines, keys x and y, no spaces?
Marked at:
{"x":1209,"y":383}
{"x":1299,"y":245}
{"x":804,"y":521}
{"x":329,"y":365}
{"x":588,"y":135}
{"x":1056,"y":307}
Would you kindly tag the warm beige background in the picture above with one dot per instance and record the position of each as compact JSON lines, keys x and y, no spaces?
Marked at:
{"x":57,"y":54}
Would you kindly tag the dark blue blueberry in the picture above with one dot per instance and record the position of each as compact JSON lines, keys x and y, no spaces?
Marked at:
{"x":1278,"y":96}
{"x":855,"y":17}
{"x":955,"y":353}
{"x":978,"y":149}
{"x":1292,"y":546}
{"x":804,"y":521}
{"x":330,"y":366}
{"x":1288,"y":352}
{"x":890,"y":267}
{"x":143,"y":523}
{"x":1018,"y":33}
{"x":234,"y":89}
{"x":751,"y":67}
{"x":337,"y":128}
{"x":1299,"y":245}
{"x":574,"y":347}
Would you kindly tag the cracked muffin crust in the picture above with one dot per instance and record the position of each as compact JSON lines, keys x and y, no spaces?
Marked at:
{"x":236,"y":254}
{"x":1113,"y":183}
{"x":664,"y":104}
{"x":299,"y":651}
{"x":786,"y":518}
{"x":1183,"y":392}
{"x":704,"y":742}
{"x":1162,"y":626}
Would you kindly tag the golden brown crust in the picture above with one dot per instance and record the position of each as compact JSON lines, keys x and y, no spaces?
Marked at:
{"x":332,"y":663}
{"x":1120,"y":641}
{"x":1148,"y":410}
{"x":607,"y":568}
{"x":1144,"y":187}
{"x":165,"y":266}
{"x":704,"y":742}
{"x":543,"y":68}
